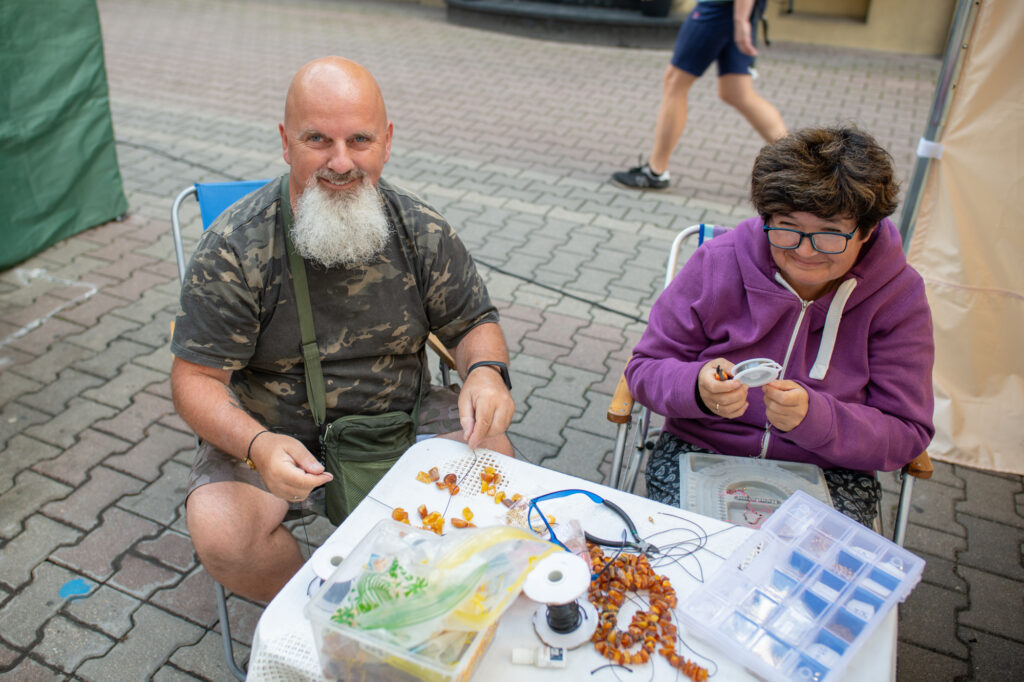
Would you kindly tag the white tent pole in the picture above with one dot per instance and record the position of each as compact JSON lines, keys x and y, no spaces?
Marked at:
{"x":928,"y":147}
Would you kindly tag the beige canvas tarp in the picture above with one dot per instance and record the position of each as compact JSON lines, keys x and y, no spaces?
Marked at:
{"x":968,"y":244}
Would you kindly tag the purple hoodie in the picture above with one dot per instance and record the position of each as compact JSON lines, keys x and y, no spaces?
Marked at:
{"x":863,"y":352}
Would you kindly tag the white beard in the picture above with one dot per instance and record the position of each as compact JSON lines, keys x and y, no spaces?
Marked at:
{"x":339,"y":228}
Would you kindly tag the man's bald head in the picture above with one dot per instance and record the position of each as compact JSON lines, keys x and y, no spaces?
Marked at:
{"x":336,"y":130}
{"x":337,"y":75}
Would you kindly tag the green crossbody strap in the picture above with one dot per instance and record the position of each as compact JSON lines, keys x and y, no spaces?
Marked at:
{"x":310,"y":350}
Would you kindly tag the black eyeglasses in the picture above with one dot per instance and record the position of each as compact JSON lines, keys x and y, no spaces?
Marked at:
{"x":822,"y":242}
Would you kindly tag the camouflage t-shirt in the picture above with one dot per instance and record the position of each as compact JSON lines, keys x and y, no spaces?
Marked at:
{"x":238,"y":311}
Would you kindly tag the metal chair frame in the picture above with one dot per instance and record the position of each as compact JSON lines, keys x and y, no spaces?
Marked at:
{"x":213,"y":199}
{"x":625,"y":469}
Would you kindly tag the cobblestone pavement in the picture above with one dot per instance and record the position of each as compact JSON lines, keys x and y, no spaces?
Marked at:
{"x":513,"y":140}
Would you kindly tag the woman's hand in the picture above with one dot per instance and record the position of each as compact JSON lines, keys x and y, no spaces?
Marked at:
{"x":785,"y":404}
{"x":726,"y":398}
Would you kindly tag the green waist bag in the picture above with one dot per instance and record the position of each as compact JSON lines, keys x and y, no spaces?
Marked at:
{"x":357,"y":450}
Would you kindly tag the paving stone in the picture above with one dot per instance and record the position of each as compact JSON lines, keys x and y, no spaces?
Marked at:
{"x":62,"y":429}
{"x":581,"y":455}
{"x":914,"y":663}
{"x":13,"y":386}
{"x":928,"y":540}
{"x":36,"y":604}
{"x":23,"y":499}
{"x":108,"y":363}
{"x":14,"y":418}
{"x":145,"y":459}
{"x":100,"y":335}
{"x":589,"y":353}
{"x":66,"y":644}
{"x":993,"y":658}
{"x":7,"y":656}
{"x":996,"y":604}
{"x":42,"y":334}
{"x":568,"y":386}
{"x":939,"y":570}
{"x":206,"y":659}
{"x":544,"y":351}
{"x":54,"y":397}
{"x":990,"y":496}
{"x":118,"y":392}
{"x":73,"y":465}
{"x":45,"y":368}
{"x":105,"y":609}
{"x":82,"y":508}
{"x":28,"y":670}
{"x":993,"y":547}
{"x":192,"y":598}
{"x":154,"y":637}
{"x":141,"y":578}
{"x":88,"y":313}
{"x":98,"y":553}
{"x":133,"y":422}
{"x":545,"y":420}
{"x":929,"y":618}
{"x":530,"y":449}
{"x":170,"y":673}
{"x":22,"y":453}
{"x":163,"y":500}
{"x":171,"y":549}
{"x":31,"y":547}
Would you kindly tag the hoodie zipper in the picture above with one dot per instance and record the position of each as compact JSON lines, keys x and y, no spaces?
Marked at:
{"x":766,"y":438}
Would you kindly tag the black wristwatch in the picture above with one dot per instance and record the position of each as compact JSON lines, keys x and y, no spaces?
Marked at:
{"x":502,"y":367}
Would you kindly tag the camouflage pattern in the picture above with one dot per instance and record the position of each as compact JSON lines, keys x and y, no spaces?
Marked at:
{"x":238,"y":312}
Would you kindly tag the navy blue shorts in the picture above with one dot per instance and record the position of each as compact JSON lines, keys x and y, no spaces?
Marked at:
{"x":707,"y":36}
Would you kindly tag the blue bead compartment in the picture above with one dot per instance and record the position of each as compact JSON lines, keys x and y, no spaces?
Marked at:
{"x":799,"y":597}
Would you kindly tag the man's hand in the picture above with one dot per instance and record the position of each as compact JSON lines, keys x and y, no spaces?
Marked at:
{"x":785,"y":404}
{"x":726,"y":398}
{"x":485,"y":406}
{"x":288,"y":469}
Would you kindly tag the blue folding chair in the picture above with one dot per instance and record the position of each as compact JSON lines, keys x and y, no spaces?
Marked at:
{"x":214,"y":198}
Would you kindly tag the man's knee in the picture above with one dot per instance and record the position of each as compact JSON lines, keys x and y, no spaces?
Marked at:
{"x":228,"y":520}
{"x":677,"y":82}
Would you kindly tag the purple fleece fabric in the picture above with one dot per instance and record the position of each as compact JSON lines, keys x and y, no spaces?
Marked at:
{"x":873,"y":409}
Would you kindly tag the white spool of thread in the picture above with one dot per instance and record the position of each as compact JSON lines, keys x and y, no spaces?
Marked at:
{"x":556,"y":583}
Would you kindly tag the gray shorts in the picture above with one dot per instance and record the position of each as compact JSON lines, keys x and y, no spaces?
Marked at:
{"x":439,"y":413}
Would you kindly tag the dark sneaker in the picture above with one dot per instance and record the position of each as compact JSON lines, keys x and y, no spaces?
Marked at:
{"x":641,"y":177}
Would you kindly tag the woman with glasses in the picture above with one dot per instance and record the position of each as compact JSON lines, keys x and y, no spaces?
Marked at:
{"x":818,"y":283}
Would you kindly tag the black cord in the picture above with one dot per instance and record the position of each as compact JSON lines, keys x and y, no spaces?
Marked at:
{"x":523,"y":278}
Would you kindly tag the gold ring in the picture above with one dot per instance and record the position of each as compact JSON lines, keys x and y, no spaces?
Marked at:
{"x":716,"y":406}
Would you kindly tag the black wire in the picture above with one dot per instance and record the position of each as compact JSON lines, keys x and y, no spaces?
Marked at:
{"x":581,"y":299}
{"x":490,"y":266}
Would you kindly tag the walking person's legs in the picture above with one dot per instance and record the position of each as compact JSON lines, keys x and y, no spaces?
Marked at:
{"x":737,"y":90}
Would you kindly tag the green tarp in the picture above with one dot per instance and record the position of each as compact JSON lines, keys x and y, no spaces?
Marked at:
{"x":58,"y":164}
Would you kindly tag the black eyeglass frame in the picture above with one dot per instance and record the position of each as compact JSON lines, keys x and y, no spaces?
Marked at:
{"x":809,"y":235}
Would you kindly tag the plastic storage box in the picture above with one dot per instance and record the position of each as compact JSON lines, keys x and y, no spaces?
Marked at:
{"x":744,"y":490}
{"x":803,"y":593}
{"x":350,"y":653}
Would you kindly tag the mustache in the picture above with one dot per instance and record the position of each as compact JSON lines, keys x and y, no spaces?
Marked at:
{"x":340,"y":178}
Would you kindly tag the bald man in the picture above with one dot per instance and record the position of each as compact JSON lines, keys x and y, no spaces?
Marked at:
{"x":384,"y":269}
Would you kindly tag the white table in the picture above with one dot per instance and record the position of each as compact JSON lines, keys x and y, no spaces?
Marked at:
{"x":284,"y":647}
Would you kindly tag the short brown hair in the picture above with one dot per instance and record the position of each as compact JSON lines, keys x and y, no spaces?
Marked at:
{"x":826,"y":172}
